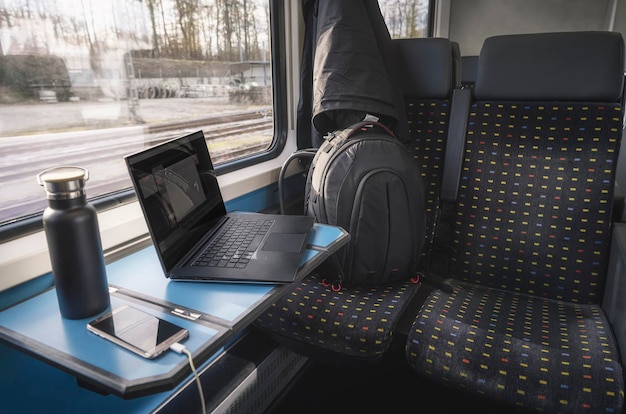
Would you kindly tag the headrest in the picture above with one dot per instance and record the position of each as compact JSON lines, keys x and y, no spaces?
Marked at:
{"x":427,"y":67}
{"x":571,"y":66}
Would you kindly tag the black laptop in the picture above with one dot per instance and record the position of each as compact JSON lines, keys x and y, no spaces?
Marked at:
{"x":194,"y":236}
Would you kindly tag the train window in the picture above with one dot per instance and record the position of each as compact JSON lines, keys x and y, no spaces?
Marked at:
{"x":85,"y":83}
{"x":407,"y":18}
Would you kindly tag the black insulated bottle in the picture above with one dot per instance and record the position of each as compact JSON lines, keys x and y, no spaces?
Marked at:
{"x":71,"y":227}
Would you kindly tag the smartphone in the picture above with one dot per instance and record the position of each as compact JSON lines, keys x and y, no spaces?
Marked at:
{"x":137,"y":331}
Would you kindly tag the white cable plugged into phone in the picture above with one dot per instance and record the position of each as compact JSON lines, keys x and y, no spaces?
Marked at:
{"x":181,"y":349}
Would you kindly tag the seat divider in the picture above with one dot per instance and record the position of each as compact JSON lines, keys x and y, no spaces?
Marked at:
{"x":461,"y":101}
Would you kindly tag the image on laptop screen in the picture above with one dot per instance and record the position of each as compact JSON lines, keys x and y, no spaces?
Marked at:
{"x":181,"y":198}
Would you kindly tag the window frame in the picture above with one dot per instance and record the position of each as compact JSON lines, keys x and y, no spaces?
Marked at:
{"x":32,"y":223}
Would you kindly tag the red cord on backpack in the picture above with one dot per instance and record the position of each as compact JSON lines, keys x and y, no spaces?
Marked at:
{"x":334,"y":285}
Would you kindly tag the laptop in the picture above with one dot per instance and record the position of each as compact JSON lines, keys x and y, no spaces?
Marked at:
{"x":194,"y":236}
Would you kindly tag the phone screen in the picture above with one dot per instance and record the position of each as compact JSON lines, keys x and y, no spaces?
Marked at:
{"x":137,"y":331}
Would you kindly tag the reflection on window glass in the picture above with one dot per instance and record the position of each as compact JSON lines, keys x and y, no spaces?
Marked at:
{"x":86,"y":82}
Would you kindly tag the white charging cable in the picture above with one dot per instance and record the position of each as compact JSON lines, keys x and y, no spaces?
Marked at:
{"x":181,"y":349}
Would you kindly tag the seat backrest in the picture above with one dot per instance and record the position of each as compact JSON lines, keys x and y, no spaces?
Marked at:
{"x":533,"y":212}
{"x":430,"y":71}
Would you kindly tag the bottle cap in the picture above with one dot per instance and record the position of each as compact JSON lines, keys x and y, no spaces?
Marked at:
{"x":63,"y":183}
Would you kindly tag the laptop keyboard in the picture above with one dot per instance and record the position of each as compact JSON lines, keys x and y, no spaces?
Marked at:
{"x":236,"y":244}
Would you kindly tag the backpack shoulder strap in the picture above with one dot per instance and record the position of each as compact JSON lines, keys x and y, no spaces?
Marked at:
{"x":357,"y":128}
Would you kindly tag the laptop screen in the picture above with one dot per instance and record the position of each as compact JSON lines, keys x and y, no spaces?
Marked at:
{"x":179,"y":193}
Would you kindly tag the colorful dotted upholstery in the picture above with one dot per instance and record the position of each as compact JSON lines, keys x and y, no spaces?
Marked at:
{"x":356,"y":323}
{"x":531,"y":234}
{"x":432,"y":67}
{"x":428,"y":125}
{"x":535,"y":198}
{"x":537,"y":354}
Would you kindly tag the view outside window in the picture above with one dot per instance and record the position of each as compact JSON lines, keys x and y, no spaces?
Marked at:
{"x":85,"y":82}
{"x":406,"y":18}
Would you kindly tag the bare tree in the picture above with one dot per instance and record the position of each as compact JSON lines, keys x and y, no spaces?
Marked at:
{"x":151,"y":4}
{"x":187,"y":11}
{"x":405,"y":18}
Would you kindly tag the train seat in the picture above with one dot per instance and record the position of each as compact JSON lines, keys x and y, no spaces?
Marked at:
{"x":531,"y":229}
{"x":357,"y":324}
{"x":427,"y":94}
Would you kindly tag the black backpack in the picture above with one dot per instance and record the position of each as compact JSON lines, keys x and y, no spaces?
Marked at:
{"x":364,"y":180}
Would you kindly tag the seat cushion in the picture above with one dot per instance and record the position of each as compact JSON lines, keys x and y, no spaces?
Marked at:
{"x":355,"y":323}
{"x":536,"y":354}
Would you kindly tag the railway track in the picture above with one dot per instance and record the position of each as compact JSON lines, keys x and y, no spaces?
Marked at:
{"x":102,"y":152}
{"x":97,"y":150}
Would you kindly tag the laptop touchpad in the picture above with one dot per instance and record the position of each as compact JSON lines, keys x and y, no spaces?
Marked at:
{"x":285,"y":242}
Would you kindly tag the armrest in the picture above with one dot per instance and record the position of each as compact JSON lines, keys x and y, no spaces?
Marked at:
{"x":614,"y":300}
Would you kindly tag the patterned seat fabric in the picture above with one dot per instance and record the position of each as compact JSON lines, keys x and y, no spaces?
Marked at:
{"x":428,"y":125}
{"x":534,"y":206}
{"x":358,"y":324}
{"x":531,"y":231}
{"x":355,"y":323}
{"x":537,"y":354}
{"x":427,"y":95}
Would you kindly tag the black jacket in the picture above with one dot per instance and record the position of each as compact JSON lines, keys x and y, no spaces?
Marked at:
{"x":348,"y":69}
